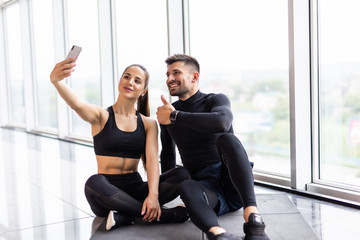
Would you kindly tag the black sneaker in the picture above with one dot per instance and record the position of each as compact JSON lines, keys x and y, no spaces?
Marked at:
{"x":255,"y":228}
{"x":116,"y":220}
{"x":173,"y":215}
{"x":222,"y":236}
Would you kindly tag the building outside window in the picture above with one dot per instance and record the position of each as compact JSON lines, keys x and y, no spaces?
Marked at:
{"x":143,"y":42}
{"x":43,"y":36}
{"x":83,"y":31}
{"x":339,"y":92}
{"x":15,"y":64}
{"x":242,"y":47}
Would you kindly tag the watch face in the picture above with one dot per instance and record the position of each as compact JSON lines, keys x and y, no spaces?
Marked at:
{"x":173,"y":116}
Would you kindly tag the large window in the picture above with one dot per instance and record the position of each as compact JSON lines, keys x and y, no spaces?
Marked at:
{"x":83,"y":30}
{"x":242,"y":47}
{"x":15,"y":64}
{"x":143,"y":40}
{"x":44,"y":63}
{"x":339,"y":91}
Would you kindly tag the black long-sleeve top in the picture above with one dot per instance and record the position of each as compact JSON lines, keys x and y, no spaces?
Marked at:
{"x":202,"y":118}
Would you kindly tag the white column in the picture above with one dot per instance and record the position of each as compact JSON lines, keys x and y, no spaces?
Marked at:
{"x":60,"y":54}
{"x":27,"y":66}
{"x":4,"y":106}
{"x":300,"y":95}
{"x":108,"y":81}
{"x":175,"y":26}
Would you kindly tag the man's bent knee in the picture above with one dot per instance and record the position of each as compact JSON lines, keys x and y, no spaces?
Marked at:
{"x":227,"y":139}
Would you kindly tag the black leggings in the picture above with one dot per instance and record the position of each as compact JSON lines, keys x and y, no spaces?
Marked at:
{"x":125,"y":193}
{"x":202,"y":203}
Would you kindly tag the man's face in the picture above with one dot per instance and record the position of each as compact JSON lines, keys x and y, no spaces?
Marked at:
{"x":180,"y":80}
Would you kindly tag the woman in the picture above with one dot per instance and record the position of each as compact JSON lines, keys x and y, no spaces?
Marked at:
{"x":122,"y":134}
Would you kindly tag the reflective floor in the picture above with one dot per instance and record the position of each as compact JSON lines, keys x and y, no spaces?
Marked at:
{"x":42,"y":193}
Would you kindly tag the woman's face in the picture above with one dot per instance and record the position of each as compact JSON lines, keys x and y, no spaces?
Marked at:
{"x":132,"y":82}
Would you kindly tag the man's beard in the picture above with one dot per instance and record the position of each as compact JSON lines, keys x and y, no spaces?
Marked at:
{"x":178,"y":93}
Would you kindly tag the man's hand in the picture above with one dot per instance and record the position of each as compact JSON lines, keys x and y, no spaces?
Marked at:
{"x":164,"y":111}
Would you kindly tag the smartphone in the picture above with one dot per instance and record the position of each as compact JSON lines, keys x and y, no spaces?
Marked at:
{"x":74,"y":52}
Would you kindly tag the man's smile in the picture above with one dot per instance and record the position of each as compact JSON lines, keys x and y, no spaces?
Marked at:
{"x":173,"y":84}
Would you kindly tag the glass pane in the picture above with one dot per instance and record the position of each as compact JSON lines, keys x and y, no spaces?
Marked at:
{"x":339,"y":91}
{"x":44,"y":62}
{"x":143,"y":42}
{"x":16,"y":75}
{"x":242,"y":47}
{"x":84,"y":32}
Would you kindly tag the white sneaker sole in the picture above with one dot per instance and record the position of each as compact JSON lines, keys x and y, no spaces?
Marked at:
{"x":110,"y":222}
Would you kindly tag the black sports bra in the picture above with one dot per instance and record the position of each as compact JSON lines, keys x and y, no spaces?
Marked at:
{"x":111,"y":141}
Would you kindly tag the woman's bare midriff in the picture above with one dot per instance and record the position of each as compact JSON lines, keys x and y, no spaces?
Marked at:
{"x":116,"y":165}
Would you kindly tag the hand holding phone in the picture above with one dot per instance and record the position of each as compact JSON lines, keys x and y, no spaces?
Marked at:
{"x":74,"y":52}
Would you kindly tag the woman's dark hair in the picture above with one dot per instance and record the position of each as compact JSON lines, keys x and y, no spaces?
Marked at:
{"x":143,"y":101}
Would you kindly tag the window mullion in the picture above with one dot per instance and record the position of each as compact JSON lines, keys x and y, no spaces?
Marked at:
{"x":175,"y":26}
{"x":4,"y":106}
{"x":106,"y":54}
{"x":59,"y":38}
{"x":27,"y":66}
{"x":299,"y":89}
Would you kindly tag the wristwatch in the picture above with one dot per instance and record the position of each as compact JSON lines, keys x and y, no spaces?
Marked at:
{"x":173,"y":116}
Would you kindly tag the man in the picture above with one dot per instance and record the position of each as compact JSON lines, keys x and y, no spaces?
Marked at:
{"x":201,"y":127}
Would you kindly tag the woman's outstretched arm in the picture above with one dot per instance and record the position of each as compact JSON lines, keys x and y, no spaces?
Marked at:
{"x":88,"y":112}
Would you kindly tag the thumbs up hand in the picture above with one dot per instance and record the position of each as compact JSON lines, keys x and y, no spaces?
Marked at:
{"x":164,"y":111}
{"x":164,"y":100}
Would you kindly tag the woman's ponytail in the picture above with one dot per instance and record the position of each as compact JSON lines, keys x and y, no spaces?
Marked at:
{"x":143,"y":108}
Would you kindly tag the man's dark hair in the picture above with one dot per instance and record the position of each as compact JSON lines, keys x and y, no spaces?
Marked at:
{"x":188,"y":60}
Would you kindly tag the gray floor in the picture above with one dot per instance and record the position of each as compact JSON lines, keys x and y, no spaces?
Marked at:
{"x":277,"y":210}
{"x":41,"y":197}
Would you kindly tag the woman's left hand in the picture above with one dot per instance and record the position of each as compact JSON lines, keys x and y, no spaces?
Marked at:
{"x":151,"y":208}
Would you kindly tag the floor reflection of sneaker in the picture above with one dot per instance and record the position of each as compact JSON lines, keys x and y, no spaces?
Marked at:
{"x":222,"y":236}
{"x":116,"y":220}
{"x":173,"y":215}
{"x":255,"y":228}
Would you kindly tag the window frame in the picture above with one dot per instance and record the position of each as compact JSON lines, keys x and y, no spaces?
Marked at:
{"x":345,"y":192}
